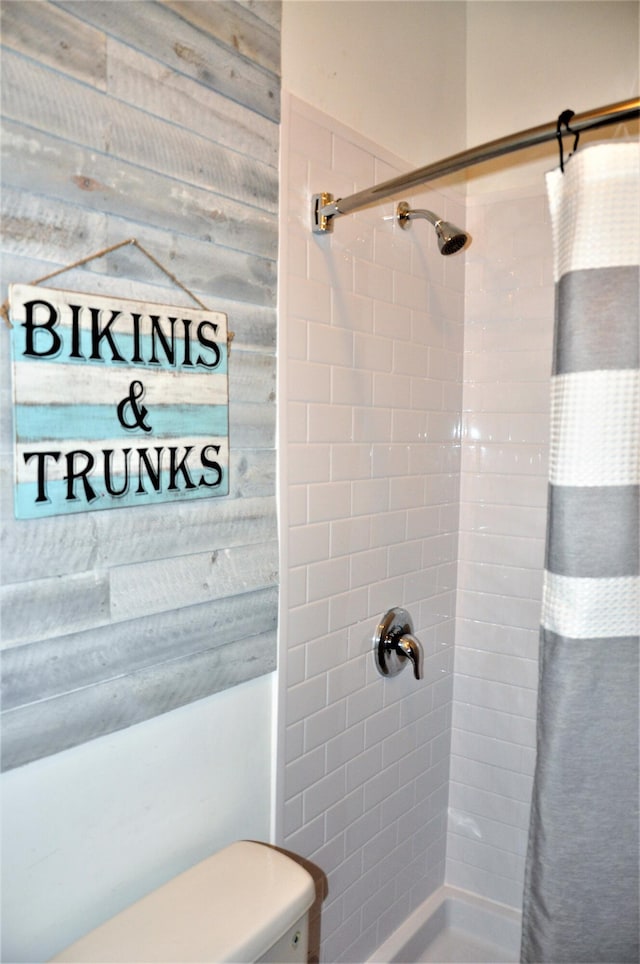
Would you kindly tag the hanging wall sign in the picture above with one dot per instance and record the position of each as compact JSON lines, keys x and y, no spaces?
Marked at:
{"x":116,"y":402}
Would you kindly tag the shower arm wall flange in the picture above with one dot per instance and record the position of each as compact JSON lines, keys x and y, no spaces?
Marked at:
{"x":406,"y":214}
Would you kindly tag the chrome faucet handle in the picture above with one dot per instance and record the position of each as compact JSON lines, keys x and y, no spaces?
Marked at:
{"x":394,"y":644}
{"x":411,"y":648}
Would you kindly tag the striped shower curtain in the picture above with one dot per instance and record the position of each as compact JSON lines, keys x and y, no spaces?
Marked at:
{"x":581,"y":890}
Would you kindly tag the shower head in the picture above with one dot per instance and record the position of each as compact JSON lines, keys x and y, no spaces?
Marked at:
{"x":450,"y":238}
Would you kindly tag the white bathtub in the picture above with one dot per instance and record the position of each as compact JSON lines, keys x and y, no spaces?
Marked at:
{"x":454,"y":927}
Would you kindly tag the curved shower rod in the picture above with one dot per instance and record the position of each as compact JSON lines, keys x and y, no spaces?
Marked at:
{"x":324,"y":209}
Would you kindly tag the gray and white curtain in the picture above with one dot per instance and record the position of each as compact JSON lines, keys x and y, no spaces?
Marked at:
{"x":581,"y":890}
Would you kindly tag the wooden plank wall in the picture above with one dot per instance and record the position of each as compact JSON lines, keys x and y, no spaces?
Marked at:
{"x":159,"y":121}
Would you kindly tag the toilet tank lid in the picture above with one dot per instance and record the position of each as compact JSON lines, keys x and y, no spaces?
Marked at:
{"x":233,"y":906}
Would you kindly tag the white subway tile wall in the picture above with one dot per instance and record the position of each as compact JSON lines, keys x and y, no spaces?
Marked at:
{"x":372,"y":342}
{"x":398,"y":489}
{"x":507,"y":364}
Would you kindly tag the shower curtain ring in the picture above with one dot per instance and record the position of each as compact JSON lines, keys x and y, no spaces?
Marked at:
{"x":564,"y":118}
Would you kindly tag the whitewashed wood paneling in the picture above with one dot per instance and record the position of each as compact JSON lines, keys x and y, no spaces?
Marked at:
{"x":40,"y":672}
{"x":154,"y":587}
{"x":79,"y":50}
{"x":37,"y":226}
{"x":133,"y":76}
{"x":268,"y":10}
{"x":48,"y":726}
{"x":187,"y":48}
{"x":157,"y":121}
{"x":56,"y":103}
{"x":158,"y":199}
{"x":41,"y":608}
{"x":53,"y":547}
{"x":234,"y":26}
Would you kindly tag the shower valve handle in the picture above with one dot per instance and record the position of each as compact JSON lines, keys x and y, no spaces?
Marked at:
{"x":411,"y":648}
{"x":395,"y":644}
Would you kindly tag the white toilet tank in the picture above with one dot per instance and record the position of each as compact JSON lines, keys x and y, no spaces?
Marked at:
{"x":245,"y":903}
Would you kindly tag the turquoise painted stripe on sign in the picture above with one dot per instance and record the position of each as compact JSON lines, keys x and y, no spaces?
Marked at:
{"x":125,"y":345}
{"x":35,"y":423}
{"x":26,"y":494}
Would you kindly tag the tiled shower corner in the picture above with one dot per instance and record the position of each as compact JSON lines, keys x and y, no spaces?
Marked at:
{"x":507,"y":365}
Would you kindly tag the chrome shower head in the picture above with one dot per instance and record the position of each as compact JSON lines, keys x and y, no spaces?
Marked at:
{"x":450,"y":238}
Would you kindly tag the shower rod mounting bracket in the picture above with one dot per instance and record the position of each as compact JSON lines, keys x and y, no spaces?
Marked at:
{"x":321,"y":219}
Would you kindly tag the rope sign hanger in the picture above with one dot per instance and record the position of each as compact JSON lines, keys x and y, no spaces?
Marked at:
{"x":4,"y":309}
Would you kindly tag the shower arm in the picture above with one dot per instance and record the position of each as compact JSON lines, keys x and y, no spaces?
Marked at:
{"x":325,"y":209}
